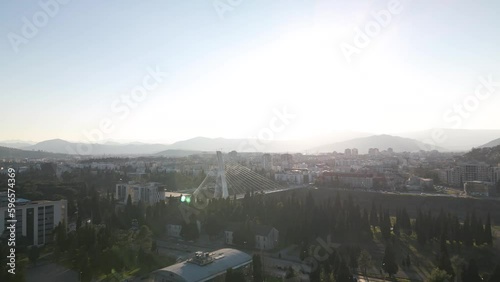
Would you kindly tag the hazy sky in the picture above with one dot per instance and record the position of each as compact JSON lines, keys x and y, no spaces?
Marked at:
{"x":67,"y":67}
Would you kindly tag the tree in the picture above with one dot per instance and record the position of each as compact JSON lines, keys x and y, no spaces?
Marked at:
{"x":257,"y":269}
{"x":439,"y":275}
{"x":343,"y":274}
{"x":34,"y":254}
{"x":326,"y":276}
{"x":364,"y":261}
{"x":495,"y":276}
{"x":444,"y":262}
{"x":487,"y":231}
{"x":457,"y":264}
{"x":471,"y":273}
{"x":234,"y":275}
{"x":389,"y":261}
{"x":315,"y":275}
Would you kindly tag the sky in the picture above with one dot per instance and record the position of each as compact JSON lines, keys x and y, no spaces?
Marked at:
{"x":163,"y":71}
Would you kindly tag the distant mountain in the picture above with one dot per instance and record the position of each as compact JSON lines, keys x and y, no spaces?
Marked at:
{"x":256,"y":145}
{"x":17,"y":144}
{"x":11,"y":153}
{"x":382,"y":142}
{"x":65,"y":147}
{"x":241,"y":145}
{"x":177,"y":153}
{"x":493,"y":143}
{"x":455,"y":139}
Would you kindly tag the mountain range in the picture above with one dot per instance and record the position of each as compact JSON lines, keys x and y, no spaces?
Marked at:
{"x":382,"y":142}
{"x":12,"y":153}
{"x":450,"y":140}
{"x":454,"y":139}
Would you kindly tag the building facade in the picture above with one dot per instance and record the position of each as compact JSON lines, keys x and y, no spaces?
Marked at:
{"x":147,"y":193}
{"x":35,"y":219}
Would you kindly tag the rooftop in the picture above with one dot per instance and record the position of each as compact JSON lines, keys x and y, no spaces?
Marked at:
{"x":213,"y":264}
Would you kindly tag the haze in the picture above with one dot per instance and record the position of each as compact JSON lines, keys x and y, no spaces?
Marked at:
{"x":221,"y":72}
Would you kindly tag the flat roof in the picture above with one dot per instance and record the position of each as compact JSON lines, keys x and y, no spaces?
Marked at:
{"x":191,"y":272}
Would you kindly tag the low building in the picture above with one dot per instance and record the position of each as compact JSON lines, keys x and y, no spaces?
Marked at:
{"x":478,"y":188}
{"x":35,"y":219}
{"x":353,"y":180}
{"x":147,"y":193}
{"x":174,"y":228}
{"x":296,"y":176}
{"x":415,"y":183}
{"x":266,"y":237}
{"x":205,"y":267}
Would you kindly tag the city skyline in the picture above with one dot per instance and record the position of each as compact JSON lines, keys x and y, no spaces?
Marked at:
{"x":213,"y":70}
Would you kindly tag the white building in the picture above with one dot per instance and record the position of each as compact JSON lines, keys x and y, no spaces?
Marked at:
{"x":35,"y":219}
{"x":174,"y":228}
{"x":147,"y":193}
{"x":266,"y":237}
{"x":294,"y":176}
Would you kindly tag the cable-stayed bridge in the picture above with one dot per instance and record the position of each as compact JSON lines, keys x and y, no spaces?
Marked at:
{"x":230,"y":178}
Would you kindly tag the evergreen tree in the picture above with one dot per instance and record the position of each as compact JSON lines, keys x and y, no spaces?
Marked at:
{"x":34,"y":254}
{"x":315,"y":275}
{"x":495,"y":276}
{"x":458,"y":265}
{"x":444,"y":262}
{"x":389,"y":261}
{"x":257,"y":269}
{"x":343,"y":274}
{"x":373,"y":216}
{"x":438,"y":275}
{"x":471,"y":273}
{"x":488,"y":238}
{"x":364,"y":261}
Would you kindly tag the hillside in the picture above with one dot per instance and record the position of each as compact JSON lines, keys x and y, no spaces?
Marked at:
{"x":490,"y":155}
{"x":382,"y":142}
{"x":65,"y":147}
{"x":493,"y":143}
{"x":11,"y":153}
{"x":455,"y":139}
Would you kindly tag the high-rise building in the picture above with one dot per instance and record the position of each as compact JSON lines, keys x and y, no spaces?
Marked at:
{"x":494,"y":175}
{"x":232,"y":155}
{"x":474,"y":172}
{"x":347,"y":152}
{"x":267,"y":161}
{"x":35,"y":219}
{"x":286,"y":161}
{"x":354,"y":151}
